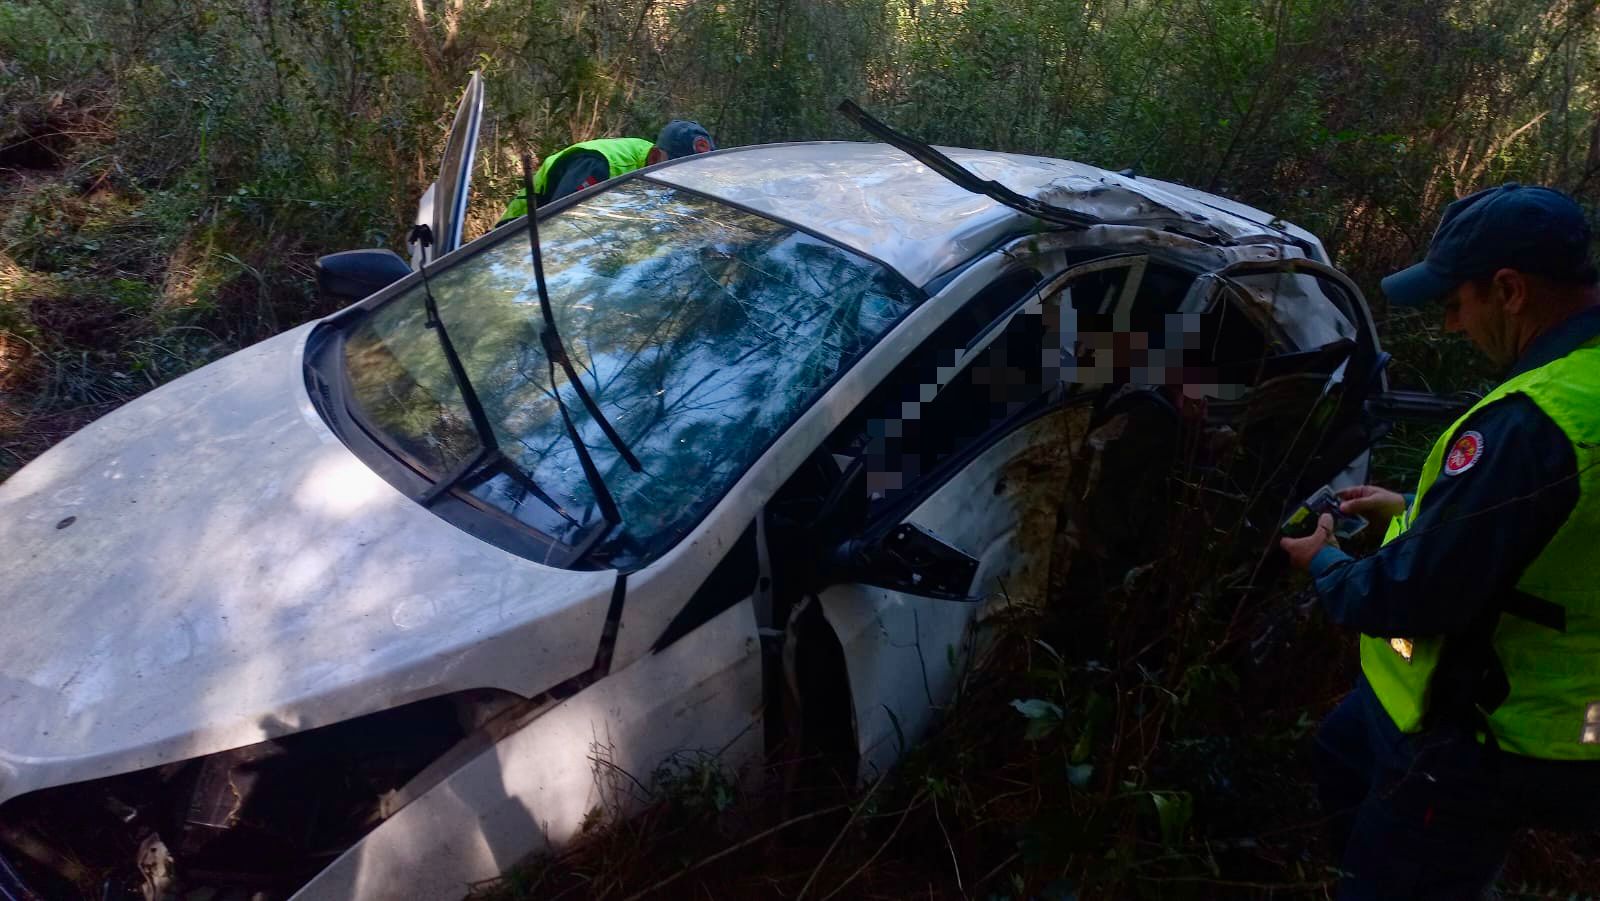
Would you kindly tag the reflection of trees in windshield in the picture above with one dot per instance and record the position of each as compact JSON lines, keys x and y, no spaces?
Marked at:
{"x":406,"y":389}
{"x":702,"y":331}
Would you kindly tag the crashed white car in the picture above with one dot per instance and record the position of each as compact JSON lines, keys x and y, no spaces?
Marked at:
{"x":348,"y":615}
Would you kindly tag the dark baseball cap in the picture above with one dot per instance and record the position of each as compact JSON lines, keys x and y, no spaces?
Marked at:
{"x":1528,"y":228}
{"x":684,"y":138}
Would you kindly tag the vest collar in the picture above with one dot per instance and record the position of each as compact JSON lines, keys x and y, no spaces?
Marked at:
{"x":1564,"y":338}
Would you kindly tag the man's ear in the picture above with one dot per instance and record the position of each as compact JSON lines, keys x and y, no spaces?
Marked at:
{"x":1513,"y":288}
{"x":655,"y":155}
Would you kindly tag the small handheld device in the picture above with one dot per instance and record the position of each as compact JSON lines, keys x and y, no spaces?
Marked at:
{"x":1303,"y":521}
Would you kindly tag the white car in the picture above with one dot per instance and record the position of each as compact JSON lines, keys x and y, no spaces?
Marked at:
{"x":312,"y":621}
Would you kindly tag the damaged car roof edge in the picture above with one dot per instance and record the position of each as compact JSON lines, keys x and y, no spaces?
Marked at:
{"x":882,"y":202}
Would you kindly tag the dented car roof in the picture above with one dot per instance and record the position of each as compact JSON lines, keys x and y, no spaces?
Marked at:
{"x":878,"y":200}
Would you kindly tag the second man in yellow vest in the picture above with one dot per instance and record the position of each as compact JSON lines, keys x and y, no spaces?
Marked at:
{"x":586,"y":163}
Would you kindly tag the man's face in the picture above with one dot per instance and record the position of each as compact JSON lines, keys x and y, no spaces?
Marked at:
{"x":1477,"y":310}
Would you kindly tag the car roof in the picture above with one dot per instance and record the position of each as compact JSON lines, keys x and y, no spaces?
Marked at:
{"x":878,"y":200}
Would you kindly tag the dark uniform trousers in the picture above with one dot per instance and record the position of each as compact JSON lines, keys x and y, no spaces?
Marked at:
{"x":1431,"y":815}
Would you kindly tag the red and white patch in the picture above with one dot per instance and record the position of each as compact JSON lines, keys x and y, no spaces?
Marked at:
{"x":702,"y":144}
{"x":1464,"y":453}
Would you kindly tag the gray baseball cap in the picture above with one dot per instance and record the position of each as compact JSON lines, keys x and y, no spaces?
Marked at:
{"x":1531,"y":229}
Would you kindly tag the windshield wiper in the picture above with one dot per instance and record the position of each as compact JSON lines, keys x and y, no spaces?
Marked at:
{"x":489,"y":455}
{"x":962,"y":176}
{"x":556,"y":352}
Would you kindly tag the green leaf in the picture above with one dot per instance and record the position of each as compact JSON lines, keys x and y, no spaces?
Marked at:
{"x":1173,"y":810}
{"x":1080,"y":751}
{"x":1079,"y":775}
{"x":1044,"y":717}
{"x":1035,"y":709}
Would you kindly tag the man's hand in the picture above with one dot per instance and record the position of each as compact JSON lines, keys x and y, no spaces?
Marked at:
{"x":1374,"y":503}
{"x":1301,"y":550}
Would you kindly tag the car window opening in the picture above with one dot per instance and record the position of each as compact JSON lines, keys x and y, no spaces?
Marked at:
{"x":1000,"y":357}
{"x":944,"y":397}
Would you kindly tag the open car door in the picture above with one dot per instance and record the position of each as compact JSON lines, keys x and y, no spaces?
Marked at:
{"x":1302,"y":379}
{"x":1319,"y":396}
{"x":443,"y":207}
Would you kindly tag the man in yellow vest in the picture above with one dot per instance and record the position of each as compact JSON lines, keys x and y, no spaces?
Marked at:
{"x":586,"y":163}
{"x":1477,"y":713}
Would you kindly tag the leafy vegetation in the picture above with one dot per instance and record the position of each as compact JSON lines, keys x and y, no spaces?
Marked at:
{"x":170,"y":168}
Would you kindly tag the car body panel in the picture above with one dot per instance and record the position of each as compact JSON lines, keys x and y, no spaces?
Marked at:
{"x":536,"y":789}
{"x":1001,"y":508}
{"x":880,"y":201}
{"x":905,"y":652}
{"x":209,"y":566}
{"x":1244,"y":211}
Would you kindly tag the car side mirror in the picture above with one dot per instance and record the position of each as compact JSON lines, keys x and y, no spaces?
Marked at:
{"x":908,"y":558}
{"x":355,"y":274}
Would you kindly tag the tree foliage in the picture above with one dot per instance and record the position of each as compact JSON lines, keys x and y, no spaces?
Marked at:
{"x":169,"y":168}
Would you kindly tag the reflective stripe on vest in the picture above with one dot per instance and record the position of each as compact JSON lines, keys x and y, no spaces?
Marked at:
{"x":622,"y":154}
{"x":1553,"y":709}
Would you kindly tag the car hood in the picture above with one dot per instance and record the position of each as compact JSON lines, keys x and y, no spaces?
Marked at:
{"x":208,"y":566}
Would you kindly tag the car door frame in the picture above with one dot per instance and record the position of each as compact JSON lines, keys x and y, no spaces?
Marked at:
{"x":886,"y":631}
{"x":1366,"y":368}
{"x":446,"y":215}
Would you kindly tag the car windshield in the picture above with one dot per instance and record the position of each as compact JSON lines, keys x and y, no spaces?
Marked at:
{"x":702,"y":331}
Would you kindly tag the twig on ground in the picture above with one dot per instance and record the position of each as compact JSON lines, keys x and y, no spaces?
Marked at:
{"x":854,"y":813}
{"x":954,"y":863}
{"x":915,"y":803}
{"x":1236,"y":883}
{"x":997,"y":868}
{"x":732,"y":848}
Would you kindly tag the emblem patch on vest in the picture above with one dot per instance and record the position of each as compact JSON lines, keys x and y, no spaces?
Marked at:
{"x":1464,"y":453}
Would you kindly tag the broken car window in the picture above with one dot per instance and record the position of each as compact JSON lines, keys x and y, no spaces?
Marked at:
{"x":1295,"y":308}
{"x":960,"y":382}
{"x":701,"y":330}
{"x":1119,"y":322}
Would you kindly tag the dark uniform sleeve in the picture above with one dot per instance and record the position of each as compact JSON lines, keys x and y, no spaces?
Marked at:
{"x":576,"y":171}
{"x":1478,"y":530}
